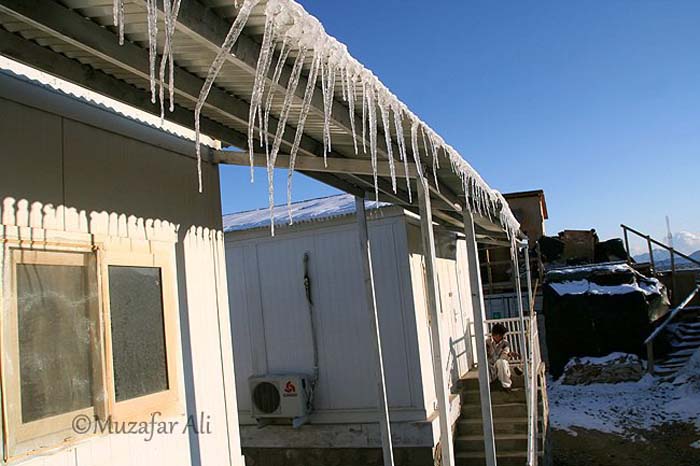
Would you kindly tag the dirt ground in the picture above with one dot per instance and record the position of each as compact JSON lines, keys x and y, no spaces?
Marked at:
{"x":668,"y":445}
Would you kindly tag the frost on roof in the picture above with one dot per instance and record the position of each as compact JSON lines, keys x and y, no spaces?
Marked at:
{"x":290,"y":28}
{"x":305,"y":211}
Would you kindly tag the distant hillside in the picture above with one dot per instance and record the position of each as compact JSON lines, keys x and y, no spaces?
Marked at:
{"x":663,"y":260}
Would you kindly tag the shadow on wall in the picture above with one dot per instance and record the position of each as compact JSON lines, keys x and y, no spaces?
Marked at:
{"x":199,"y":260}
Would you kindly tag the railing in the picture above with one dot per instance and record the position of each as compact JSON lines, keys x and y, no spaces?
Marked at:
{"x":649,"y":342}
{"x":512,"y":324}
{"x":536,"y":374}
{"x":651,"y":241}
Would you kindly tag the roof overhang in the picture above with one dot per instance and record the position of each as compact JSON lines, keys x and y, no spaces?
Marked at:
{"x":75,"y":40}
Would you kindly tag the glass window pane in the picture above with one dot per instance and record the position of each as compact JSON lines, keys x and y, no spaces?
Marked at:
{"x":53,"y":304}
{"x":138,"y":338}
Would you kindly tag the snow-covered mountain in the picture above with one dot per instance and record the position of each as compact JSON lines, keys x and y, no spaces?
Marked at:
{"x":683,"y":241}
{"x":663,"y":261}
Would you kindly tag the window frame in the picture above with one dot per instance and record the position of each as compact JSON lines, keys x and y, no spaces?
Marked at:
{"x":165,"y":402}
{"x":21,"y":440}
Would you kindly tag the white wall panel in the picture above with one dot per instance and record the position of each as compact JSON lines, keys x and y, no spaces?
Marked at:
{"x":104,"y":180}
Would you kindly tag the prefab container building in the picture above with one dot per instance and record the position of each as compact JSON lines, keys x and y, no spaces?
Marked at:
{"x":113,"y":287}
{"x":273,"y":319}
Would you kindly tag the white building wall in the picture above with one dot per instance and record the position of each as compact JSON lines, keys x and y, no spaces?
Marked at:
{"x":456,"y":309}
{"x":268,"y":303}
{"x":72,"y":167}
{"x":271,"y":325}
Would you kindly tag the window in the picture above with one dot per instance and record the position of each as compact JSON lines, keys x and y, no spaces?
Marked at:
{"x":85,"y":332}
{"x":138,"y":337}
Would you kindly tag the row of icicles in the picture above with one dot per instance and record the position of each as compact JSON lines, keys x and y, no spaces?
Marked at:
{"x":289,"y":28}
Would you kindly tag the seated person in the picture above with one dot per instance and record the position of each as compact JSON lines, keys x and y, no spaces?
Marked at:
{"x":498,"y":351}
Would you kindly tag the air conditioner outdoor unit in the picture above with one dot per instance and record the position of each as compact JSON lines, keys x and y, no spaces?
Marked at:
{"x":280,"y":396}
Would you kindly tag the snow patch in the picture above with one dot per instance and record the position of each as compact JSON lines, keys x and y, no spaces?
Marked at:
{"x":622,"y":408}
{"x":579,"y":287}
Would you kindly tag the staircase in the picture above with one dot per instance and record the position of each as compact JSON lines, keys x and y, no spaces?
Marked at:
{"x":683,"y":338}
{"x":509,"y":419}
{"x":680,"y":330}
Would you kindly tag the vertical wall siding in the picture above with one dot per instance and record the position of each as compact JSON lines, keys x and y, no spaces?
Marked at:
{"x":455,"y":300}
{"x":270,"y":313}
{"x":66,"y":174}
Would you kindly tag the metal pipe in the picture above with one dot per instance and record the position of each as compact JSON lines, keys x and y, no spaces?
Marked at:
{"x":521,"y":315}
{"x":674,"y":283}
{"x":532,"y":413}
{"x":384,"y":424}
{"x":672,"y":315}
{"x":479,"y":331}
{"x":651,"y":256}
{"x":428,"y":238}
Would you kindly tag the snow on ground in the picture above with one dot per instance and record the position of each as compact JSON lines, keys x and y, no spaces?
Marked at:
{"x":627,"y":407}
{"x":623,"y":357}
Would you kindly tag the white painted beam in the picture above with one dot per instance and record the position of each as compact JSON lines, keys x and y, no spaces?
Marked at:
{"x":383,"y":403}
{"x":441,"y":390}
{"x":305,"y":163}
{"x":480,"y":335}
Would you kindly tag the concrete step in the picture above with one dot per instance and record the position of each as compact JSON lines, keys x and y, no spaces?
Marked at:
{"x":503,"y":459}
{"x":473,"y":426}
{"x":497,"y":396}
{"x":506,"y":410}
{"x":471,"y":381}
{"x":689,"y":329}
{"x":504,"y":443}
{"x":686,"y":343}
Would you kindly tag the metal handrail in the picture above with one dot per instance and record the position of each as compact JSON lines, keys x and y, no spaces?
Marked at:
{"x":651,"y":240}
{"x":672,"y":315}
{"x":649,"y":342}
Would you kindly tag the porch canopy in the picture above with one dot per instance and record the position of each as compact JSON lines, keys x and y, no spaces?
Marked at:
{"x":352,"y":117}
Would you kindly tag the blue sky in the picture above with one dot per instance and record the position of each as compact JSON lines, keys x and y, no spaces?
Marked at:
{"x":596,"y":102}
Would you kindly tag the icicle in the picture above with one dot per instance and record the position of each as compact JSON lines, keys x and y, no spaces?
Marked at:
{"x":152,"y":10}
{"x":351,"y":109}
{"x":343,"y":82}
{"x":214,"y":70}
{"x":364,"y":118}
{"x":435,"y":160}
{"x":263,"y":66}
{"x":328,"y":87}
{"x":303,"y":113}
{"x":118,"y":13}
{"x":372,"y":114}
{"x":384,"y":112}
{"x":170,"y":11}
{"x":279,"y":67}
{"x":414,"y":149}
{"x":286,"y":108}
{"x":398,"y":126}
{"x":175,"y":11}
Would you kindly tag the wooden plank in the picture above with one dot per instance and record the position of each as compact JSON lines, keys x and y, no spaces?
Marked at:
{"x":314,"y":164}
{"x":434,"y":311}
{"x":480,"y":333}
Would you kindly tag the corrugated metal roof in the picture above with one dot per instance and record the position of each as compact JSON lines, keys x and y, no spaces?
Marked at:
{"x":312,"y":210}
{"x":76,"y":40}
